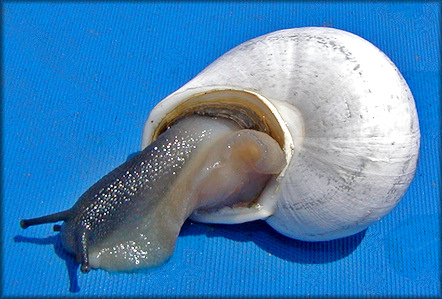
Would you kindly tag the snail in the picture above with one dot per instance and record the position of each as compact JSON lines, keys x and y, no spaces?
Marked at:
{"x":313,"y":130}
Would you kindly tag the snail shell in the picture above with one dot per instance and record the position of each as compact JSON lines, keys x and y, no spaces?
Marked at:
{"x":340,"y":110}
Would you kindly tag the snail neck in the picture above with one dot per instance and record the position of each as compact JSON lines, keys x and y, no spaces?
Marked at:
{"x":232,"y":171}
{"x":231,"y":167}
{"x":199,"y":163}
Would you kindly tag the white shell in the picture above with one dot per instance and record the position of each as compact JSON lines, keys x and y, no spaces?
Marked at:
{"x":347,"y":120}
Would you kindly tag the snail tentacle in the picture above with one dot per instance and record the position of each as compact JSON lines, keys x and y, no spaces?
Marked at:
{"x":83,"y":252}
{"x":60,"y":216}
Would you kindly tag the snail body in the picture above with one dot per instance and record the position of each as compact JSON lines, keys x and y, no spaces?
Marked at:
{"x":131,"y":218}
{"x":314,"y":131}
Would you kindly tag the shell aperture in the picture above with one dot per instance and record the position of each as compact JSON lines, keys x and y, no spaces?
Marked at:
{"x":131,"y":218}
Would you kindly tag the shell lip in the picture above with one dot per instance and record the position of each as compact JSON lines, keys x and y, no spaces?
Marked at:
{"x":170,"y":109}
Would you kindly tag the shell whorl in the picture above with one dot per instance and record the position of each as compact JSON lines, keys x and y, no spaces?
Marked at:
{"x":352,"y":121}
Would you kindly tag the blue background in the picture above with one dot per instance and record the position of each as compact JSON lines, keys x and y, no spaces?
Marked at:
{"x":79,"y":82}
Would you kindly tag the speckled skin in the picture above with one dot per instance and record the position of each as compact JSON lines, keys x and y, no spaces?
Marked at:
{"x":124,"y":214}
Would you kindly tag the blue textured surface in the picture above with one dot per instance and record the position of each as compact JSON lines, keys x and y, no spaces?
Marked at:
{"x":79,"y":82}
